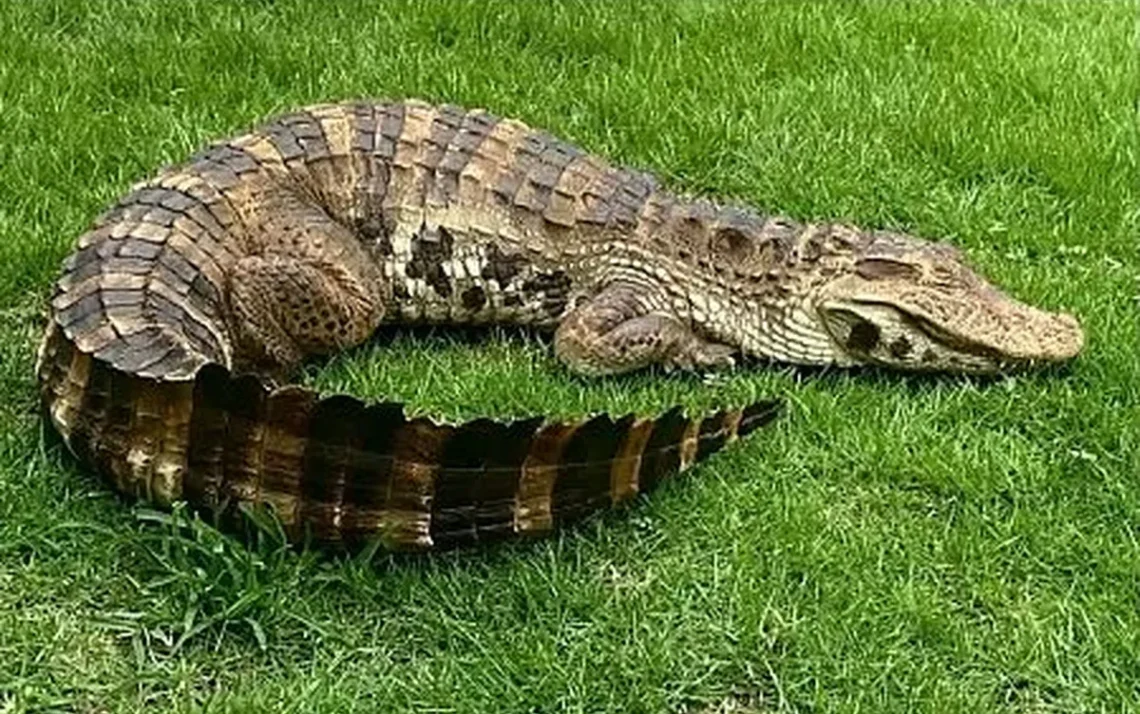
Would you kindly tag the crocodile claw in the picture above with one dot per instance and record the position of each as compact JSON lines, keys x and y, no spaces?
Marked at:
{"x":705,"y":355}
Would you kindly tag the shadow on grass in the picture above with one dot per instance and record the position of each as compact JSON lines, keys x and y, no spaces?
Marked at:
{"x":831,"y":376}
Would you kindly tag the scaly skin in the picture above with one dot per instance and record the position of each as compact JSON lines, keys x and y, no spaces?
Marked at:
{"x":306,"y":235}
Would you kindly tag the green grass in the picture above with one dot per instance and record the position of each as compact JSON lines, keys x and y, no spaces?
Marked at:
{"x":893,"y":544}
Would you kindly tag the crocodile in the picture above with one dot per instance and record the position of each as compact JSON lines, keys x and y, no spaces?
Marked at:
{"x":186,"y":308}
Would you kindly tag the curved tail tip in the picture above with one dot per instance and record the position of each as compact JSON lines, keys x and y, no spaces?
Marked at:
{"x":758,"y":414}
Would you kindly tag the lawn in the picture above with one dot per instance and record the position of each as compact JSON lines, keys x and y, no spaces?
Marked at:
{"x":891,"y":544}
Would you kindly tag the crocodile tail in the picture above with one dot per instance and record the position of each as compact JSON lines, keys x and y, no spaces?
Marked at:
{"x":144,"y":290}
{"x":338,"y":470}
{"x":335,"y":469}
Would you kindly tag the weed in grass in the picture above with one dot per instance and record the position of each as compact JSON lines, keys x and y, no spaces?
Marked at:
{"x":201,"y":585}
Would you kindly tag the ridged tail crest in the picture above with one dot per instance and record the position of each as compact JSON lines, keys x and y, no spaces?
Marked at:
{"x":338,"y":470}
{"x":144,"y":289}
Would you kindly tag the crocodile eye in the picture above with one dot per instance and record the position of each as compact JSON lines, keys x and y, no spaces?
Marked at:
{"x":864,"y":336}
{"x":880,"y":269}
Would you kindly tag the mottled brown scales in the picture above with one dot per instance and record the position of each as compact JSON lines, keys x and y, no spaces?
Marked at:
{"x":202,"y":289}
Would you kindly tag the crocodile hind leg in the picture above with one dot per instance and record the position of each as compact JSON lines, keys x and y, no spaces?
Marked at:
{"x":286,"y":308}
{"x":620,"y":330}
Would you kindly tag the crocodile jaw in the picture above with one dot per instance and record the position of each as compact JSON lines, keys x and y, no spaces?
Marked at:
{"x":977,"y":329}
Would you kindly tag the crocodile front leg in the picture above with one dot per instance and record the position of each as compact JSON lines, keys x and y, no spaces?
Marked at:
{"x":620,"y":330}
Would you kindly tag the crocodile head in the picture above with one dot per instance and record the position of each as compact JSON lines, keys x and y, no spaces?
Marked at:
{"x":906,"y":303}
